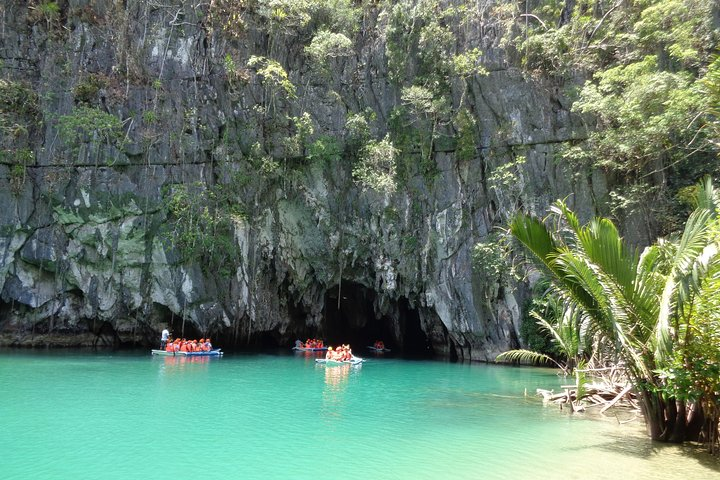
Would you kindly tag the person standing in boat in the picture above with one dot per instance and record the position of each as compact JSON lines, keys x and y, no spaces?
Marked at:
{"x":164,"y":336}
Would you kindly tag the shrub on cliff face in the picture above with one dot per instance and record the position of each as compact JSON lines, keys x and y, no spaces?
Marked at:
{"x":285,"y":17}
{"x":17,"y":98}
{"x":90,"y":125}
{"x":326,"y":44}
{"x":491,"y":260}
{"x":19,"y":111}
{"x":86,"y":91}
{"x":272,"y":75}
{"x":202,"y":224}
{"x":376,"y":168}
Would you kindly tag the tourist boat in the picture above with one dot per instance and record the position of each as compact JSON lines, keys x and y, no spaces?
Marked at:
{"x":212,"y":353}
{"x":310,"y":349}
{"x":378,"y":350}
{"x":329,"y":363}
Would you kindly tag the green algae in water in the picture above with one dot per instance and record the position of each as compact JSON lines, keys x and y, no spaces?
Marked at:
{"x":70,"y":415}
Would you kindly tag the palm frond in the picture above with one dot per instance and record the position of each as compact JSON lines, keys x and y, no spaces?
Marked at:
{"x":532,"y":233}
{"x":690,"y":264}
{"x":706,"y":196}
{"x":525,"y":356}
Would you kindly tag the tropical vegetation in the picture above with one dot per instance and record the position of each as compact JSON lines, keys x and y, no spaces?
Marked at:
{"x":649,"y":92}
{"x":654,"y":311}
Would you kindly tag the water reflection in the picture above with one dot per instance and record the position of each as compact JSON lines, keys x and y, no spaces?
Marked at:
{"x":183,"y":360}
{"x":336,"y":377}
{"x":178,"y":364}
{"x":333,"y":398}
{"x":309,"y":357}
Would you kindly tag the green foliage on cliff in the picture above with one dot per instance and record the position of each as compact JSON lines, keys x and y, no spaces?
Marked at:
{"x":492,"y":261}
{"x":651,"y":97}
{"x":273,"y":76}
{"x":465,"y":124}
{"x":17,"y":98}
{"x":426,"y":60}
{"x":19,"y":111}
{"x":202,"y":222}
{"x":376,"y":168}
{"x":326,"y":45}
{"x":90,"y":125}
{"x":86,"y":91}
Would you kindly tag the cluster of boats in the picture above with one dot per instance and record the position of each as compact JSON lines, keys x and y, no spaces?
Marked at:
{"x":341,"y":355}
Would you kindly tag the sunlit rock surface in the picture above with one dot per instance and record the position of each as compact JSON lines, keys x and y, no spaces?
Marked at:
{"x":84,"y":249}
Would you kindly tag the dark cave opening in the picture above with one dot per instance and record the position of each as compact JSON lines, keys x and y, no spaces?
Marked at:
{"x":298,"y":325}
{"x":6,"y":310}
{"x":415,"y":341}
{"x":349,"y":317}
{"x":160,"y":315}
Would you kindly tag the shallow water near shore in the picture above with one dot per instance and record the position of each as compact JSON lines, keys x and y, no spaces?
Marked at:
{"x":130,"y":415}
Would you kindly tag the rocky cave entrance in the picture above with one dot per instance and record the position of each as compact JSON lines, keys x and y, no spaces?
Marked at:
{"x":349,"y":317}
{"x":416,"y":343}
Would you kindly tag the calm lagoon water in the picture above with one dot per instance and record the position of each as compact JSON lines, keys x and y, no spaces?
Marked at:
{"x":124,"y":416}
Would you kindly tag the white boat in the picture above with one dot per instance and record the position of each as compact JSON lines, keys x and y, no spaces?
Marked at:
{"x":329,"y":363}
{"x":212,"y":353}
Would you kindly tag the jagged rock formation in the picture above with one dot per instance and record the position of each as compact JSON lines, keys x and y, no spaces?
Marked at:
{"x":86,"y":243}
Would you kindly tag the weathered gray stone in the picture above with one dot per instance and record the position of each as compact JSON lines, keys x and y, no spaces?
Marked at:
{"x":83,"y":241}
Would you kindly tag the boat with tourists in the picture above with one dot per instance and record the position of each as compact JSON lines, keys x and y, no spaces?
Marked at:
{"x":378,"y":347}
{"x":378,"y":350}
{"x":188,"y":348}
{"x":304,"y":349}
{"x":341,"y":355}
{"x":313,"y":345}
{"x":210,"y":353}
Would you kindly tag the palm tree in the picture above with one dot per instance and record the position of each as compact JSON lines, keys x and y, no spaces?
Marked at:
{"x":567,"y":328}
{"x":637,"y":302}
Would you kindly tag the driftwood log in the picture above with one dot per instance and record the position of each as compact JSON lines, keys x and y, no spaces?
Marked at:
{"x":592,"y":395}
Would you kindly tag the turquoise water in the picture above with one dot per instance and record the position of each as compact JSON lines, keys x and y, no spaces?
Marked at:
{"x":126,"y":416}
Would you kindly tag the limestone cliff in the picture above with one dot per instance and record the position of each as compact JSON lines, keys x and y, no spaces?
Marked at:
{"x":138,"y":123}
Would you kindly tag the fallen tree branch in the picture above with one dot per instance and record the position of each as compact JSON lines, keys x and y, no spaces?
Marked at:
{"x":617,"y":398}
